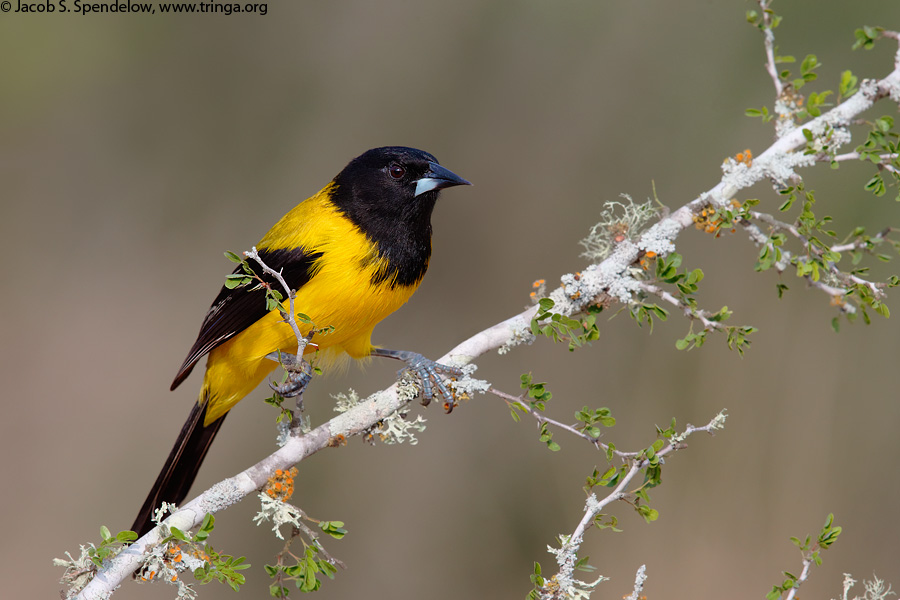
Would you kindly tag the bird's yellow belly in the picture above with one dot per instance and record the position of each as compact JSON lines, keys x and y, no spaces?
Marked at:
{"x":339,"y":297}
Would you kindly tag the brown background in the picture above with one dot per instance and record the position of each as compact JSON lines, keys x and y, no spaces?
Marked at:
{"x":135,"y":149}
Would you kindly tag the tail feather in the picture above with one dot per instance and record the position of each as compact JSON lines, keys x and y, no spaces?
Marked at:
{"x":181,"y":467}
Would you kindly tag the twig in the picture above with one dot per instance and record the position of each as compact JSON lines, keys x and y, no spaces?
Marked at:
{"x":884,"y":164}
{"x":541,"y":419}
{"x":863,"y":245}
{"x":761,"y":239}
{"x":804,"y":575}
{"x":855,"y":156}
{"x":689,"y":312}
{"x":769,"y":40}
{"x":566,"y":557}
{"x":811,"y":249}
{"x":302,"y":340}
{"x":639,"y":578}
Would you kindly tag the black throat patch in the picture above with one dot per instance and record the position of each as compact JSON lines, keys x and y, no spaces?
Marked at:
{"x":396,"y":221}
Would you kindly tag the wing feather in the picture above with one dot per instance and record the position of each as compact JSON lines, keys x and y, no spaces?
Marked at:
{"x":234,"y":310}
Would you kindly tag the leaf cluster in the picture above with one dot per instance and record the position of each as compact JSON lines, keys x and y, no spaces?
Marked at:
{"x":274,"y":297}
{"x":217,"y":567}
{"x":538,"y":392}
{"x":667,"y":272}
{"x":539,"y":395}
{"x":590,"y":418}
{"x":767,"y":19}
{"x":537,"y":581}
{"x":866,"y":36}
{"x":811,"y":552}
{"x":686,"y":284}
{"x":306,"y":570}
{"x":561,"y":328}
{"x":881,"y":149}
{"x":644,"y":312}
{"x":109,"y":545}
{"x":818,"y":260}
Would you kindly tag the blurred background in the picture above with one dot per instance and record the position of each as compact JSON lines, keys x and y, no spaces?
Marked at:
{"x":135,"y":149}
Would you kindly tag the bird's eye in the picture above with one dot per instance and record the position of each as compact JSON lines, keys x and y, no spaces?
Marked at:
{"x":396,"y":171}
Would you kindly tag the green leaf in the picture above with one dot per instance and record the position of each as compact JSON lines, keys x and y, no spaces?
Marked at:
{"x":809,"y":63}
{"x":236,"y":280}
{"x":787,"y":203}
{"x":650,"y":515}
{"x":126,"y":536}
{"x":333,"y":528}
{"x":848,"y":84}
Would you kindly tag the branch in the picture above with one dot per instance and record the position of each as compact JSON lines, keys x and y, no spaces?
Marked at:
{"x":566,"y":557}
{"x":639,"y":578}
{"x":769,"y":37}
{"x":600,"y":281}
{"x":804,"y":575}
{"x":864,"y":245}
{"x":520,"y":402}
{"x":354,"y":421}
{"x":689,"y":312}
{"x":541,"y":419}
{"x":776,"y":224}
{"x":611,"y":277}
{"x":884,"y":164}
{"x":290,"y":318}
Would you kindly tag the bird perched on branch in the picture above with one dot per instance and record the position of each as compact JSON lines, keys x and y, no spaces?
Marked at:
{"x":354,"y":253}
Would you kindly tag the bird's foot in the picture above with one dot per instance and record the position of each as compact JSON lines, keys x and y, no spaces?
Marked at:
{"x":299,"y":374}
{"x":428,"y":372}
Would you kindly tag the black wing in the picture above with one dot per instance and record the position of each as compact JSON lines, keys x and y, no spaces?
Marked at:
{"x":234,"y":310}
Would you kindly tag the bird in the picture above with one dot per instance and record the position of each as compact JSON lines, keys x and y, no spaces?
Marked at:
{"x":353,"y":253}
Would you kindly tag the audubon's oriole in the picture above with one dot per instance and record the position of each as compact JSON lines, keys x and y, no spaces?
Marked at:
{"x":354,"y":252}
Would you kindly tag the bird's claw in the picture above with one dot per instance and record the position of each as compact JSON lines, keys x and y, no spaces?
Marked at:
{"x":429,"y":372}
{"x":299,"y":374}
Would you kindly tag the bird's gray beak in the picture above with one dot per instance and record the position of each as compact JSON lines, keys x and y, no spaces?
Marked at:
{"x":438,"y":178}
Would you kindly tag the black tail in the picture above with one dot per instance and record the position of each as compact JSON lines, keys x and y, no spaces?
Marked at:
{"x":181,"y":467}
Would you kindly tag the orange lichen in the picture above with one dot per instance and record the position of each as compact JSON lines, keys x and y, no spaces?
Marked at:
{"x":745,"y":157}
{"x":337,"y":440}
{"x":281,"y":485}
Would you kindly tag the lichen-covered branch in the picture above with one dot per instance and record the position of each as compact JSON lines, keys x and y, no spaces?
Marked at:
{"x":357,"y":420}
{"x":617,"y":278}
{"x":563,"y":584}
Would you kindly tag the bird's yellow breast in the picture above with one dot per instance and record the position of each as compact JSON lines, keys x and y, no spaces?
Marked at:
{"x":339,"y":293}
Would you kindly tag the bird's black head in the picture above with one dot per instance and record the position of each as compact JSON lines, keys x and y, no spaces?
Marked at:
{"x":392,"y":186}
{"x":389,"y":193}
